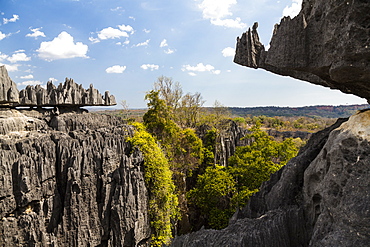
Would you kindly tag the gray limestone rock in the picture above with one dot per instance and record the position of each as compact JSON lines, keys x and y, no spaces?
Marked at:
{"x":320,"y":198}
{"x":82,"y":185}
{"x":68,"y":94}
{"x":327,"y":43}
{"x":8,"y":89}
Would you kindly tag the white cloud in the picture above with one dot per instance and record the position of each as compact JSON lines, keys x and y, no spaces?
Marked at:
{"x":145,"y":43}
{"x":229,"y":23}
{"x":18,"y":57}
{"x":132,"y":18}
{"x":62,"y":47}
{"x":116,"y":69}
{"x":127,"y":28}
{"x":13,"y":19}
{"x":200,"y":67}
{"x":146,"y":30}
{"x":3,"y":35}
{"x":169,"y":51}
{"x":217,"y":10}
{"x":3,"y":56}
{"x":53,"y":79}
{"x":111,"y":33}
{"x":94,"y":40}
{"x":294,"y":9}
{"x":35,"y":33}
{"x":117,"y":9}
{"x":26,"y":83}
{"x":228,"y":52}
{"x":27,"y":77}
{"x":11,"y":68}
{"x":149,"y":66}
{"x":163,"y":43}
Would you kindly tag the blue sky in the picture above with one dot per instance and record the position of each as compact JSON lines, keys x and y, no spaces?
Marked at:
{"x":123,"y":46}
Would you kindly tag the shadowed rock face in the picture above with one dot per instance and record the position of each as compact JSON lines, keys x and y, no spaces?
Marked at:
{"x":327,"y":44}
{"x":320,"y":198}
{"x":68,"y":94}
{"x":74,"y":183}
{"x":8,"y":90}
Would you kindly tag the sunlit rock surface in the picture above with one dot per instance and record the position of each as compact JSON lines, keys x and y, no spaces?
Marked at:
{"x":327,"y":43}
{"x":79,"y":183}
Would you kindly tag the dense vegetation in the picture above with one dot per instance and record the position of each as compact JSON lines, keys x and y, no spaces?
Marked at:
{"x":181,"y":140}
{"x":324,"y":111}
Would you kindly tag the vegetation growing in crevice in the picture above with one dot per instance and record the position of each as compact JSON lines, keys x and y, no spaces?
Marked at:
{"x":163,"y":201}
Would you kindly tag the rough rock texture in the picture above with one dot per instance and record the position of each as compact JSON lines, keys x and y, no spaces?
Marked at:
{"x":8,"y":90}
{"x":327,"y":44}
{"x":320,"y":198}
{"x":81,"y":185}
{"x":68,"y":94}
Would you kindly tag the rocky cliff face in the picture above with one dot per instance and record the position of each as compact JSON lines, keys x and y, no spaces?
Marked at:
{"x":74,"y":183}
{"x":327,"y":44}
{"x":320,"y":198}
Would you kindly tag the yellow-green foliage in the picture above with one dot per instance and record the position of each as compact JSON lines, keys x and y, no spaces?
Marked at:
{"x":163,"y":201}
{"x":212,"y":195}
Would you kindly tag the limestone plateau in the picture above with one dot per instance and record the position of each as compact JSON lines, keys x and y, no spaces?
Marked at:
{"x":68,"y":94}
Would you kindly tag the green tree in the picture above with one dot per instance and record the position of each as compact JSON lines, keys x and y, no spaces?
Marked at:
{"x":212,"y":194}
{"x":253,"y":164}
{"x":163,"y":201}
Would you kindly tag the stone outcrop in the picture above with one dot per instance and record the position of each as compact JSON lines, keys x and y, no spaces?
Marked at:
{"x":79,"y":183}
{"x":67,"y":94}
{"x":320,"y":198}
{"x":327,"y":43}
{"x":8,"y":89}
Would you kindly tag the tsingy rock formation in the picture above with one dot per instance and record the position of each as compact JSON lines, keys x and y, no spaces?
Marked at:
{"x":322,"y":196}
{"x":80,"y":186}
{"x":8,"y":89}
{"x":68,"y":94}
{"x":328,"y":44}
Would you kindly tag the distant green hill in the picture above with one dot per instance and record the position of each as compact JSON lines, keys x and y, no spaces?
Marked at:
{"x":326,"y":111}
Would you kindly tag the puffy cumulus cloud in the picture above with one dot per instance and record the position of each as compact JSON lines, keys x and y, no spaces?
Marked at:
{"x":31,"y":82}
{"x":111,"y":33}
{"x":62,"y":47}
{"x":35,"y":33}
{"x":126,"y":28}
{"x":163,"y":43}
{"x":145,"y":43}
{"x":150,"y":66}
{"x":18,"y":57}
{"x":294,"y":9}
{"x":217,"y":12}
{"x":228,"y":52}
{"x":27,"y":77}
{"x":200,"y":67}
{"x":117,"y":69}
{"x":13,"y":19}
